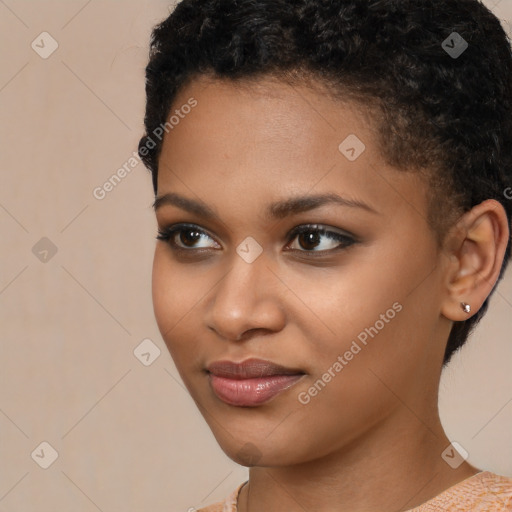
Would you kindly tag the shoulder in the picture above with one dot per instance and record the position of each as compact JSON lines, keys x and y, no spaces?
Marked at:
{"x":482,"y":492}
{"x":496,"y":490}
{"x":227,"y":505}
{"x":214,"y":507}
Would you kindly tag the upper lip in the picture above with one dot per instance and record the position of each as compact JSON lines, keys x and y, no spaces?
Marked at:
{"x":250,"y":368}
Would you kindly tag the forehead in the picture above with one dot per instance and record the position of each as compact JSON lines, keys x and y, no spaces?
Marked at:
{"x":270,"y":139}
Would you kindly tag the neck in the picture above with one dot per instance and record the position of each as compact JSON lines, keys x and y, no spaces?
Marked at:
{"x":395,"y":467}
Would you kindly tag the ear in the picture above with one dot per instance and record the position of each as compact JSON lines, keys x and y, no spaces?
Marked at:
{"x":476,"y":247}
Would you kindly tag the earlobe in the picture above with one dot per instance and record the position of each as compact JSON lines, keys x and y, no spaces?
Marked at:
{"x":477,"y":248}
{"x":465,"y":307}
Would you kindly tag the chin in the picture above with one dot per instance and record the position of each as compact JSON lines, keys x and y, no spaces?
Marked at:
{"x":250,"y":449}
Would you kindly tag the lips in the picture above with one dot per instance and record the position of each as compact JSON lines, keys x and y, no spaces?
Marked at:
{"x":250,"y":368}
{"x":251,"y":382}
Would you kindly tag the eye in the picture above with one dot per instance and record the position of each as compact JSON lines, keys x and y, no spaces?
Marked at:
{"x":184,"y":237}
{"x":314,"y":238}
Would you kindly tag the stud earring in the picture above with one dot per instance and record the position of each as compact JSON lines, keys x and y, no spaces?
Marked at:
{"x":465,"y":307}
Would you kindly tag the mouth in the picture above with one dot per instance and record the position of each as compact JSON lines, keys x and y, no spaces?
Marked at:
{"x":251,"y":382}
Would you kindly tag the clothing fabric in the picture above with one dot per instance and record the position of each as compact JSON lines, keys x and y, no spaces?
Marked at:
{"x":482,"y":492}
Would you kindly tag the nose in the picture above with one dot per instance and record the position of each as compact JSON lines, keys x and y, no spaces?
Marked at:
{"x":247,"y":299}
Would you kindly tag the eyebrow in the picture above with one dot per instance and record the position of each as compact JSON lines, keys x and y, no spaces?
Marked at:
{"x":277,"y":210}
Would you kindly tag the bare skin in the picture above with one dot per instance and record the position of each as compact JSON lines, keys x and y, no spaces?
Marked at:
{"x":371,"y":440}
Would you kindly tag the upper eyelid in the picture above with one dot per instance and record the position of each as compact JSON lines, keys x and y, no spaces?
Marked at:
{"x":321,"y":227}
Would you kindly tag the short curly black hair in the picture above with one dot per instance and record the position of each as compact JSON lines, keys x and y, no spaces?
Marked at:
{"x":442,"y":108}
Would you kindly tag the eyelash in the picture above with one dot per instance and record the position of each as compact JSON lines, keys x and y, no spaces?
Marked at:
{"x":167,"y":235}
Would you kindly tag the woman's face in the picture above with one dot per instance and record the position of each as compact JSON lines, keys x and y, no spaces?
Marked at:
{"x":352,"y":311}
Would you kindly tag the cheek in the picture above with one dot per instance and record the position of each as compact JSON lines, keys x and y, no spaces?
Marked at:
{"x":164,"y":293}
{"x":341,"y":303}
{"x":372,"y":313}
{"x":174,"y":295}
{"x":179,"y":292}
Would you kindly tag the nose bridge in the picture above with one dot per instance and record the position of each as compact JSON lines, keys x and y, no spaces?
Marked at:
{"x":242,"y":286}
{"x":245,"y":298}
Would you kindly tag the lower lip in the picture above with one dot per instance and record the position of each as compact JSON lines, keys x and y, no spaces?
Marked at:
{"x":251,"y":392}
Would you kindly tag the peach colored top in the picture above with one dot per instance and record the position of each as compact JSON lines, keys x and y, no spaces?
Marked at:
{"x":483,"y":492}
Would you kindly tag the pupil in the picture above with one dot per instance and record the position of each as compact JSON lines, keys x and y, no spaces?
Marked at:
{"x":190,"y":239}
{"x":311,"y":238}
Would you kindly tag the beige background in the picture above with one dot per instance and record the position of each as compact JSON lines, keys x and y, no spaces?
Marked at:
{"x":128,"y":436}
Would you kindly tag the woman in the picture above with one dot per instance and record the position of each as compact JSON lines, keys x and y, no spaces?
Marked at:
{"x":330,"y":182}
